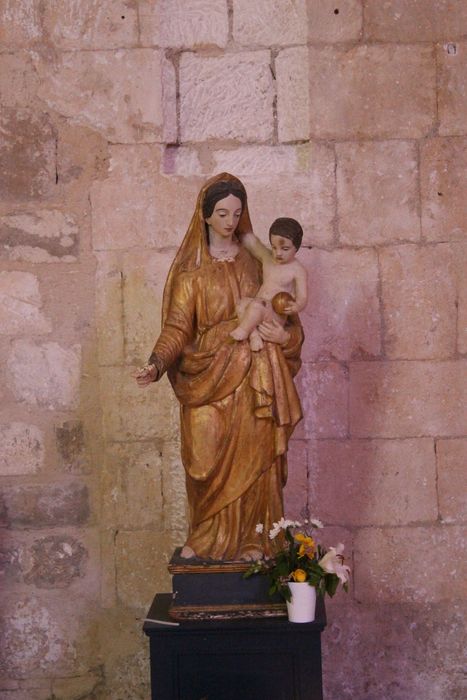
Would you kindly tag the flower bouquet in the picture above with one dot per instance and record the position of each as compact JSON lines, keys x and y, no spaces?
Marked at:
{"x":299,"y":559}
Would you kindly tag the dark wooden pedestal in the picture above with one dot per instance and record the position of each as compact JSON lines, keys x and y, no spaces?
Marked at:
{"x":243,"y":659}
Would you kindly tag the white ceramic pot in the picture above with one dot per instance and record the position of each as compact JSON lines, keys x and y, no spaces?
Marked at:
{"x":302,"y":606}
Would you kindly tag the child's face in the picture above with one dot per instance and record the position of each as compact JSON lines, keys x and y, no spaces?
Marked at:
{"x":283,"y":250}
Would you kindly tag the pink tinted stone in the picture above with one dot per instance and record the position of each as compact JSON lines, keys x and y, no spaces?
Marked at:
{"x":377,"y":192}
{"x":20,"y":23}
{"x":419,"y":301}
{"x":87,"y":24}
{"x":226,"y":97}
{"x":27,"y":155}
{"x":452,"y":477}
{"x":265,"y":23}
{"x":323,"y":388}
{"x":296,"y":490}
{"x":178,"y":24}
{"x":121,"y":94}
{"x":359,"y":482}
{"x":332,"y":22}
{"x":408,"y":398}
{"x":378,"y":91}
{"x":415,"y":20}
{"x":293,"y":104}
{"x":341,"y":319}
{"x":444,"y":183}
{"x":460,"y":255}
{"x":398,"y":564}
{"x":452,"y":94}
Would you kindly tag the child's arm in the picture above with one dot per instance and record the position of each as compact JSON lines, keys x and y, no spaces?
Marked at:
{"x":300,"y":291}
{"x":254,"y":246}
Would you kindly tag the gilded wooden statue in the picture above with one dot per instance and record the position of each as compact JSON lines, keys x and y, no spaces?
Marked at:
{"x":238,"y":406}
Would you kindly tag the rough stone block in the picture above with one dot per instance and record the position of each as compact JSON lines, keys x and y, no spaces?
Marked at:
{"x":41,"y":637}
{"x":158,"y":211}
{"x":296,"y":181}
{"x":56,"y":561}
{"x":20,"y":23}
{"x":82,"y":156}
{"x":377,"y":192}
{"x":144,"y":279}
{"x":344,"y":83}
{"x":296,"y":490}
{"x":91,"y":24}
{"x":419,"y":301}
{"x":22,"y":449}
{"x":360,"y":482}
{"x":109,"y":309}
{"x":11,"y":556}
{"x":293,"y":104}
{"x":44,"y":374}
{"x":20,"y":305}
{"x":332,"y":22}
{"x":132,"y":413}
{"x":460,"y":256}
{"x":70,"y":439}
{"x":181,"y":160}
{"x":341,"y":320}
{"x":176,"y":24}
{"x":142,"y":558}
{"x":398,"y":564}
{"x":452,"y":461}
{"x":452,"y":95}
{"x":226,"y":97}
{"x":90,"y":685}
{"x":122,"y":94}
{"x":415,"y":20}
{"x":45,"y":505}
{"x":408,"y":398}
{"x":174,"y":501}
{"x":27,"y":148}
{"x":18,"y":82}
{"x":266,"y":23}
{"x":47,"y":235}
{"x":443,"y":185}
{"x":323,"y":388}
{"x":118,"y":219}
{"x":418,"y":648}
{"x":132,"y":490}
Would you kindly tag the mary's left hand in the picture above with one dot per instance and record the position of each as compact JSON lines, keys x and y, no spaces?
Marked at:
{"x":272,"y":332}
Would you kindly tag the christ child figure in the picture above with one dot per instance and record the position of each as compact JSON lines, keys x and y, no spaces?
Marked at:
{"x":284,"y":288}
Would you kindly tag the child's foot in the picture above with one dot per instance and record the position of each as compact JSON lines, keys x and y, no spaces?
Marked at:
{"x":256,"y":343}
{"x":187,"y":552}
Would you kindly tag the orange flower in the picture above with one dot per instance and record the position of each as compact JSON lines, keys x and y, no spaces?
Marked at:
{"x":299,"y":575}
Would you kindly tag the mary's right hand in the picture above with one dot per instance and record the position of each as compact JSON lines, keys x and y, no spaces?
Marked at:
{"x":146,"y":375}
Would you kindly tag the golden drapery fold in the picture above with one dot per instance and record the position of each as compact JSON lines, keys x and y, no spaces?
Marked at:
{"x":237,"y":408}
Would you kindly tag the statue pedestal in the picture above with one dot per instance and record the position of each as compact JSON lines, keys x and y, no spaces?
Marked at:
{"x":209,"y":590}
{"x":232,"y":659}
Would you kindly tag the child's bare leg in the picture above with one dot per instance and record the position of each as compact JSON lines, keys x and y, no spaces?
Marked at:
{"x":252,"y":316}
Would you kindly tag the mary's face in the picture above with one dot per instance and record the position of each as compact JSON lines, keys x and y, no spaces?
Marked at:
{"x":225,"y":217}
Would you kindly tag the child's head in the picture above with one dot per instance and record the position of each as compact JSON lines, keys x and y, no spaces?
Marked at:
{"x":287,"y":228}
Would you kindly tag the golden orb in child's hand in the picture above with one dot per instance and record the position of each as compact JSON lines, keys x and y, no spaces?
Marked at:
{"x":280,"y":301}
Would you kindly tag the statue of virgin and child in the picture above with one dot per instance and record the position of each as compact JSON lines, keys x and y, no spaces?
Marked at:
{"x":231,"y":358}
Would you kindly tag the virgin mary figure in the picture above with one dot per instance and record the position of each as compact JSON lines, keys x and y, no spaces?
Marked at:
{"x":238,"y":408}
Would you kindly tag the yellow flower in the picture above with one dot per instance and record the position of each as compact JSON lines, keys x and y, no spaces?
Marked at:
{"x":307,"y":545}
{"x":299,"y":575}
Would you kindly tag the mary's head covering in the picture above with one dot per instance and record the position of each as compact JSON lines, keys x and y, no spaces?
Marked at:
{"x":194,"y":251}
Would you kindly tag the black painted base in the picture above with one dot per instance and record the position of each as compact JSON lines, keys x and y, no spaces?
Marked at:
{"x":229,"y":660}
{"x":218,"y":590}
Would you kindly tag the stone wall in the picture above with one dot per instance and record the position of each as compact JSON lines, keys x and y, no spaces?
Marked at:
{"x":350,"y":116}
